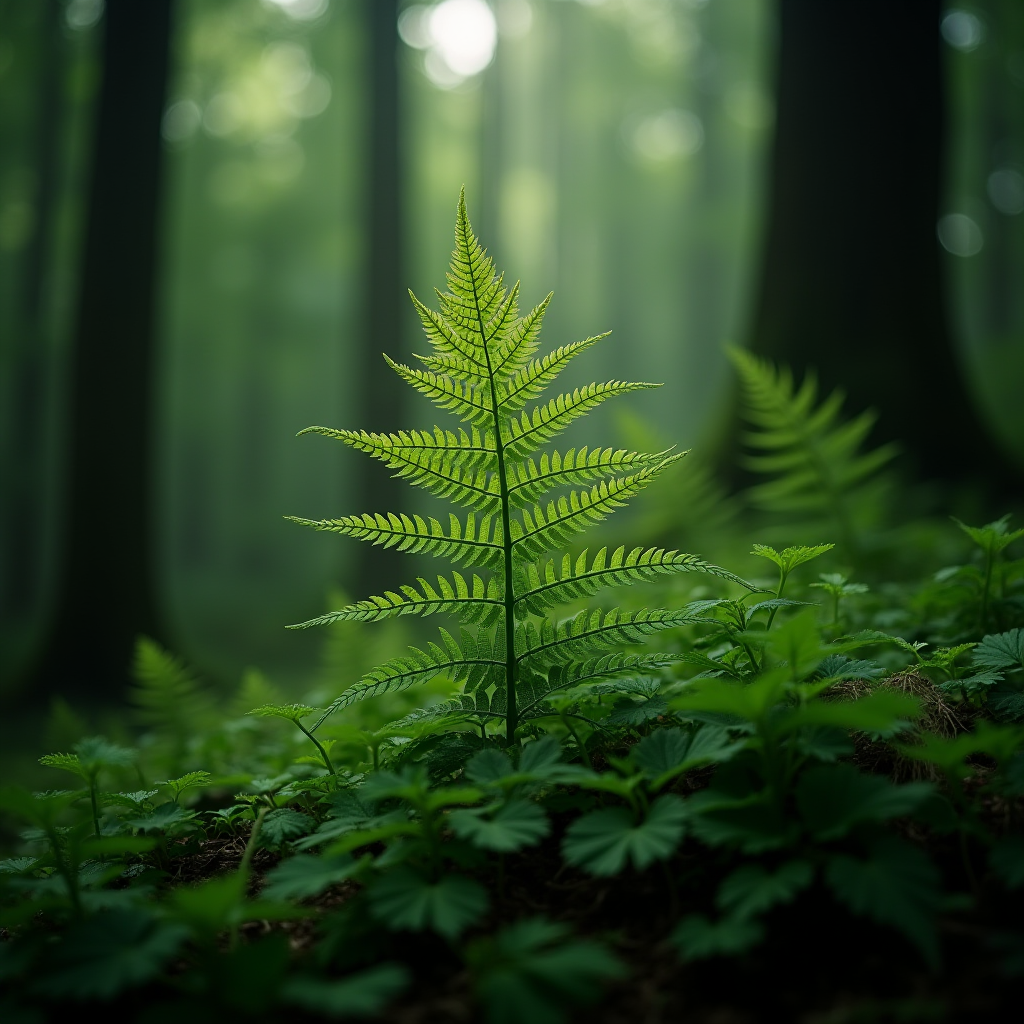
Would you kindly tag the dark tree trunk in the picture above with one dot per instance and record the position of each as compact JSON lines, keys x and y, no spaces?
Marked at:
{"x":382,"y":397}
{"x":19,"y":589}
{"x":853,"y":282}
{"x":105,"y":593}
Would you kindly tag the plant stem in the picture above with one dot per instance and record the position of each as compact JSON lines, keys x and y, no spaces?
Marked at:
{"x":584,"y":754}
{"x":508,"y":595}
{"x":782,"y":582}
{"x":250,"y":846}
{"x":987,"y":587}
{"x":319,"y":746}
{"x":95,"y":810}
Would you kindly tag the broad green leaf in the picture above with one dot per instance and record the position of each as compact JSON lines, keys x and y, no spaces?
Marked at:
{"x":993,"y":537}
{"x":834,"y":798}
{"x":750,"y":824}
{"x":666,"y":753}
{"x":512,"y":826}
{"x":162,"y":818}
{"x":1001,"y":650}
{"x":533,"y":970}
{"x":108,"y":953}
{"x":404,"y":900}
{"x":839,"y":666}
{"x":488,"y":766}
{"x":896,"y":885}
{"x":751,"y":890}
{"x":193,"y":780}
{"x":880,"y":711}
{"x":302,"y":876}
{"x":998,"y":741}
{"x":789,"y":558}
{"x":283,"y":824}
{"x":697,"y":938}
{"x":364,"y":994}
{"x":749,"y":702}
{"x":602,"y":842}
{"x":796,"y":644}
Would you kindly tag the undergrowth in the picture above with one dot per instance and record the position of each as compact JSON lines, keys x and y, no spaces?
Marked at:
{"x":531,"y":815}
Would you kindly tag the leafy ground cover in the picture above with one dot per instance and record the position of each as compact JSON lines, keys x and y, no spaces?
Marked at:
{"x":805,"y":801}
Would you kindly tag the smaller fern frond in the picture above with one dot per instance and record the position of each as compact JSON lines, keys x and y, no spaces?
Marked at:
{"x":541,"y":588}
{"x":543,"y":529}
{"x":477,"y":661}
{"x":530,"y":381}
{"x":476,"y":601}
{"x":475,"y":544}
{"x":814,"y":457}
{"x":588,"y":632}
{"x":456,"y":469}
{"x":608,"y":666}
{"x":528,"y":432}
{"x":470,"y":404}
{"x":522,"y":342}
{"x":528,"y":479}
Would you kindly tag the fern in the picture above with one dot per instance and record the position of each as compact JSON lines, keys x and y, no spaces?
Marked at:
{"x":520,"y":505}
{"x":819,"y":470}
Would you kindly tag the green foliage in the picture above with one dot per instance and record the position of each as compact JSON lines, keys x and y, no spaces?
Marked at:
{"x":819,"y":473}
{"x":404,"y":899}
{"x":484,"y":370}
{"x":531,"y":971}
{"x":751,"y":778}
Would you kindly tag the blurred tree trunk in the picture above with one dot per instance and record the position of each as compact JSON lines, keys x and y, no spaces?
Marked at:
{"x":382,"y":394}
{"x":105,"y":592}
{"x":852,"y":280}
{"x":19,"y":588}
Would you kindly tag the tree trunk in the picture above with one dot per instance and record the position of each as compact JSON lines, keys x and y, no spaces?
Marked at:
{"x":20,"y":586}
{"x":383,"y":391}
{"x":852,"y":282}
{"x":105,"y":593}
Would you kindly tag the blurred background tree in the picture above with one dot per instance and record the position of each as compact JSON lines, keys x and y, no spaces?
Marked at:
{"x":617,"y":151}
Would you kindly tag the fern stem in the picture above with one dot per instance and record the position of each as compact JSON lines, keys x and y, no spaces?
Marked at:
{"x":508,"y":598}
{"x":319,"y":746}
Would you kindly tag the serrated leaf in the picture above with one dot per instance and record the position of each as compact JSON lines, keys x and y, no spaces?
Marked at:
{"x":834,"y":798}
{"x":751,"y":890}
{"x":162,"y":818}
{"x":602,"y":842}
{"x":290,"y":712}
{"x":666,"y":753}
{"x":108,"y":953}
{"x":363,"y":994}
{"x":283,"y":824}
{"x":1000,"y":650}
{"x":698,"y":938}
{"x":514,"y":825}
{"x":302,"y":876}
{"x":404,"y":900}
{"x":896,"y":885}
{"x":533,"y":969}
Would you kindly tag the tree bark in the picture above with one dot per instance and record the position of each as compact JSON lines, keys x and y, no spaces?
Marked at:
{"x":19,"y":589}
{"x":105,"y":593}
{"x":852,"y":282}
{"x":383,"y":393}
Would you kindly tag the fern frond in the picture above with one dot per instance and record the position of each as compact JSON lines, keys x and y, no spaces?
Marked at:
{"x":470,"y":404}
{"x":476,"y":661}
{"x":527,"y":480}
{"x":814,"y":456}
{"x":527,"y":432}
{"x":517,"y":350}
{"x":543,"y":529}
{"x":477,"y":545}
{"x":476,"y":602}
{"x":608,"y":666}
{"x":456,"y":469}
{"x":541,"y":588}
{"x":530,"y":381}
{"x":591,"y":631}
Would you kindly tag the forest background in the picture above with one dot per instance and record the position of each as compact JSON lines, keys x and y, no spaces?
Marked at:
{"x":210,"y":209}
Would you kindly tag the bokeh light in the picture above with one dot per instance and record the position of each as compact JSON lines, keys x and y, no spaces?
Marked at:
{"x":960,"y":234}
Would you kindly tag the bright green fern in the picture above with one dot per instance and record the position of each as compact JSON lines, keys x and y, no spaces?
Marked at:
{"x":508,"y":655}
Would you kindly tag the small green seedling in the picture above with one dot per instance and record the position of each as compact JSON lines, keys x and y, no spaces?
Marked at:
{"x":294,"y":713}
